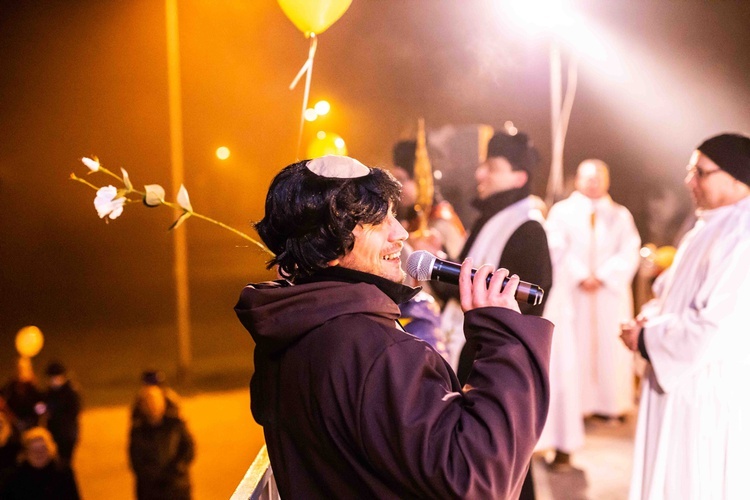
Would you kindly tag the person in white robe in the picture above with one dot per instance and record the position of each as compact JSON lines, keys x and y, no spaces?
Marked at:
{"x":594,"y":246}
{"x":693,"y":431}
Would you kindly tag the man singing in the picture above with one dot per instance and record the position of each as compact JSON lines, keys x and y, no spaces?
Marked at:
{"x":351,"y":405}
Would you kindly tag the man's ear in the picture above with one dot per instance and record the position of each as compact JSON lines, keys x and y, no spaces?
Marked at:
{"x":334,"y":262}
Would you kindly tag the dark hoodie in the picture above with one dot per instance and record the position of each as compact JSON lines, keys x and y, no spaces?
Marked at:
{"x":354,"y":407}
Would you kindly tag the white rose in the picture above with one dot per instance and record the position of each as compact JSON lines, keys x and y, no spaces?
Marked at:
{"x":107,"y":203}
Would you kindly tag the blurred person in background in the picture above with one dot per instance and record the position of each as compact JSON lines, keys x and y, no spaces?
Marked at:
{"x":23,"y":396}
{"x":63,"y":406}
{"x":10,"y":446}
{"x":40,"y":474}
{"x":420,"y":315}
{"x":160,"y":448}
{"x":509,"y":233}
{"x":693,"y":431}
{"x":595,"y":248}
{"x":156,"y":378}
{"x":449,"y":232}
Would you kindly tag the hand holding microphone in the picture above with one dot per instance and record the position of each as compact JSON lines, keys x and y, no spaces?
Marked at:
{"x":424,"y":266}
{"x":474,"y":292}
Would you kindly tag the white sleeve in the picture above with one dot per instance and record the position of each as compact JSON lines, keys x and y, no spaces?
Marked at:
{"x":559,"y":241}
{"x":715,"y":326}
{"x":620,"y":268}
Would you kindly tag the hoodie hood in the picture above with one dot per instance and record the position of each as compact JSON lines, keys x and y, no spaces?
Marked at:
{"x":277,"y":313}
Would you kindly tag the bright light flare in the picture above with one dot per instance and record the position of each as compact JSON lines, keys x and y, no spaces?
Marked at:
{"x":589,"y":42}
{"x":547,"y":15}
{"x":559,"y":19}
{"x":311,"y":115}
{"x":322,"y":108}
{"x":223,"y":153}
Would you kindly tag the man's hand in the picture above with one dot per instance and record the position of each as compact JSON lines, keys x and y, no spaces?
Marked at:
{"x":629,"y":332}
{"x":475,"y":293}
{"x":590,"y":284}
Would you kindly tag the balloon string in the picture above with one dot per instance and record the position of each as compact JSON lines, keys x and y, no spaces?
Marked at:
{"x":305,"y":69}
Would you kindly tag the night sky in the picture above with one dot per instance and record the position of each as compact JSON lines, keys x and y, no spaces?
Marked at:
{"x":84,"y":78}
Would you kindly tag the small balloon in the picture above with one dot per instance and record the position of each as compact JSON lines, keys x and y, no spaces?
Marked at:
{"x":663,"y":256}
{"x":29,"y":341}
{"x":314,"y":16}
{"x":326,"y":143}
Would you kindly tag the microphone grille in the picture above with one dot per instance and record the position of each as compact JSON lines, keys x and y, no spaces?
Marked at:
{"x":419,"y":265}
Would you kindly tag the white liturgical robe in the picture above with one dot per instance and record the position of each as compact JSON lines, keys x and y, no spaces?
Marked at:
{"x":693,"y":432}
{"x":594,"y":238}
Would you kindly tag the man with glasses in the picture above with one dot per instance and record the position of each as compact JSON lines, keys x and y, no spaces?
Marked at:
{"x":694,"y":422}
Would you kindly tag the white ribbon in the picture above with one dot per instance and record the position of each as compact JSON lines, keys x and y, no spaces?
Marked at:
{"x":306,"y":68}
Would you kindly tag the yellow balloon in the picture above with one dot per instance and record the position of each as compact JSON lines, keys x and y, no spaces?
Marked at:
{"x":29,"y":341}
{"x":326,"y":143}
{"x":664,"y":256}
{"x":314,"y":16}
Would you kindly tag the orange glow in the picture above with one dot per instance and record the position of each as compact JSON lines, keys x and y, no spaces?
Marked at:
{"x":326,"y":143}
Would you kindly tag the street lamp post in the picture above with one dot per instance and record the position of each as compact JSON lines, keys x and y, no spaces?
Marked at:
{"x":177,"y":164}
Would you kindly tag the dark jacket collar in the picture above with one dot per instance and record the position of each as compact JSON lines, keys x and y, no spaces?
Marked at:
{"x":488,"y":207}
{"x":500,"y":201}
{"x":397,"y":292}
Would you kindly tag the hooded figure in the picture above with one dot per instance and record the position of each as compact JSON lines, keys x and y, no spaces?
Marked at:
{"x":351,"y":405}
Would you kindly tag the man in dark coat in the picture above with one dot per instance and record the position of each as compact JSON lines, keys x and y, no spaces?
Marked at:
{"x":161,"y":448}
{"x":63,"y":405}
{"x":22,"y":396}
{"x":509,"y":233}
{"x":10,"y":446}
{"x":351,"y":405}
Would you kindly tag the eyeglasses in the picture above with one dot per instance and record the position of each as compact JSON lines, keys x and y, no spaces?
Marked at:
{"x":694,"y":170}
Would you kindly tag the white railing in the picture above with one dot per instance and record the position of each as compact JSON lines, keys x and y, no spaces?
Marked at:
{"x":258,"y":483}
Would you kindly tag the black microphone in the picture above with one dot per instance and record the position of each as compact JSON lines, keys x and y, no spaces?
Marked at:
{"x":423,"y":266}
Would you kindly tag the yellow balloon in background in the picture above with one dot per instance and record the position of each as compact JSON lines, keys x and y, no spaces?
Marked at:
{"x":326,"y":143}
{"x":29,"y":341}
{"x":663,"y":256}
{"x":314,"y":16}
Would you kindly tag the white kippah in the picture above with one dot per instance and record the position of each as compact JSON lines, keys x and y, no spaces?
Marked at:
{"x":337,"y":167}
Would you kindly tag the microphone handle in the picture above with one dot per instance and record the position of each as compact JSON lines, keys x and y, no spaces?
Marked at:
{"x":448,"y":272}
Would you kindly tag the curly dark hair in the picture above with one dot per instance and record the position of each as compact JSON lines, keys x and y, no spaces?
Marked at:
{"x":309,"y":218}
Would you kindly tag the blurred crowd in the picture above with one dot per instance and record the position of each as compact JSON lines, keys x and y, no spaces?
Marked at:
{"x":39,"y":430}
